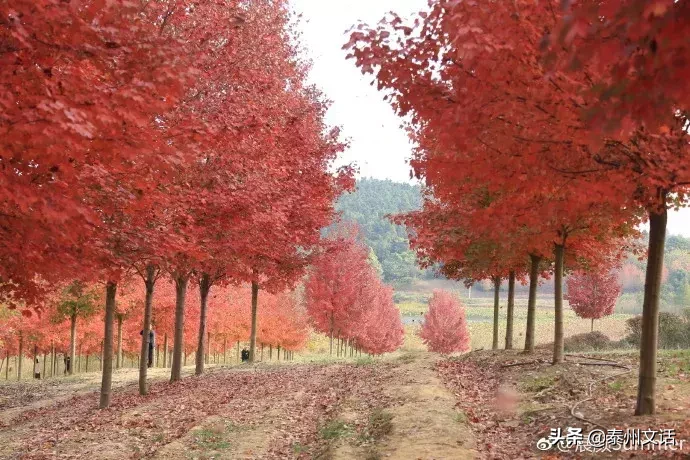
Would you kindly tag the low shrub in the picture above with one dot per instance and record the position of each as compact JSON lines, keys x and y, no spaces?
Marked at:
{"x":674,"y":330}
{"x":587,"y":342}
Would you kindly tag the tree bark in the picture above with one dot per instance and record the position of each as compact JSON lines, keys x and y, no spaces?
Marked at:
{"x":510,"y":311}
{"x":52,"y":358}
{"x":72,"y":343}
{"x":204,"y":288}
{"x":262,"y":352}
{"x":225,"y":354}
{"x":592,"y":329}
{"x":20,"y":355}
{"x":238,"y":351}
{"x":44,"y":375}
{"x":118,"y":360}
{"x":497,"y":292}
{"x":646,"y":389}
{"x":255,"y":306}
{"x":532,"y":302}
{"x":331,"y":333}
{"x":165,"y":350}
{"x":150,"y":283}
{"x":558,"y":336}
{"x":107,"y":376}
{"x":178,"y":346}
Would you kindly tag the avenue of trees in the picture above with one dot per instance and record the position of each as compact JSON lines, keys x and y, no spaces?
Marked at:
{"x":165,"y":164}
{"x":546,"y":132}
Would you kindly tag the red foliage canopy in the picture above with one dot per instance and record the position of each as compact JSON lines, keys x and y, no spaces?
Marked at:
{"x":444,"y":329}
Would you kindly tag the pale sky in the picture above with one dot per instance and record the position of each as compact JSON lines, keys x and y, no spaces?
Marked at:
{"x":378,"y":145}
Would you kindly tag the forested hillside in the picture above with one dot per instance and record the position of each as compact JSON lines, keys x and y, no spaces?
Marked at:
{"x":368,"y":205}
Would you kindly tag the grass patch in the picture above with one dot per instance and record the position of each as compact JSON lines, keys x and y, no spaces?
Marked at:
{"x":335,"y":429}
{"x":364,"y":361}
{"x":298,"y":448}
{"x":207,"y":439}
{"x":536,"y":384}
{"x":460,"y":417}
{"x":616,"y":386}
{"x":380,"y":423}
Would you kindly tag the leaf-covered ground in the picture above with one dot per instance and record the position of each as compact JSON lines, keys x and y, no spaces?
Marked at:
{"x":511,"y":400}
{"x":364,"y":409}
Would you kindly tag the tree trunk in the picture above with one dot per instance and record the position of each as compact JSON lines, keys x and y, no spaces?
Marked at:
{"x":510,"y":311}
{"x":150,"y":283}
{"x":165,"y":349}
{"x":178,"y":345}
{"x":87,"y":363}
{"x":270,"y":352}
{"x":238,"y":351}
{"x":278,"y":352}
{"x":52,"y":359}
{"x":72,"y":343}
{"x":21,"y":355}
{"x":100,"y":364}
{"x":158,"y":355}
{"x":255,"y":306}
{"x":646,"y":398}
{"x":592,"y":329}
{"x":225,"y":354}
{"x":497,"y":289}
{"x":262,"y":352}
{"x":532,"y":302}
{"x":118,"y":360}
{"x":331,"y":333}
{"x":107,"y":377}
{"x":204,"y":288}
{"x":208,"y":348}
{"x":558,"y":339}
{"x":43,"y":374}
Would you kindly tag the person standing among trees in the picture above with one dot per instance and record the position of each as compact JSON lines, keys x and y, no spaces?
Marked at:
{"x":68,"y":363}
{"x":37,"y":369}
{"x":152,"y":340}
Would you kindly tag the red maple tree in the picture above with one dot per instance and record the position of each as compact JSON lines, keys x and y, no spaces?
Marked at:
{"x":444,"y":329}
{"x":593,"y":295}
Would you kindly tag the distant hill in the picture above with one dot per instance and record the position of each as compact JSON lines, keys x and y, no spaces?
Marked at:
{"x":368,"y":206}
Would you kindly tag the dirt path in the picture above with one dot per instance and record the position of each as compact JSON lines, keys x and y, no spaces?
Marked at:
{"x":419,"y":420}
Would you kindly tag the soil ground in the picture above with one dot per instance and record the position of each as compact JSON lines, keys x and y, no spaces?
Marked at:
{"x":413,"y":405}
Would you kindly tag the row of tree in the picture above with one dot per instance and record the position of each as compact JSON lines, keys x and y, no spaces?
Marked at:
{"x":347,"y":300}
{"x":545,"y":132}
{"x":73,"y":326}
{"x":178,"y":142}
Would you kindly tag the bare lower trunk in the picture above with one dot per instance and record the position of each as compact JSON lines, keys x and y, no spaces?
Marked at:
{"x":225,"y":354}
{"x":165,"y":350}
{"x":510,"y":311}
{"x":150,"y":283}
{"x":255,"y":306}
{"x":532,"y":302}
{"x":331,"y":333}
{"x":592,"y":328}
{"x":204,"y":288}
{"x":558,"y":339}
{"x":72,"y":343}
{"x":118,"y":359}
{"x":646,"y":389}
{"x":178,"y":347}
{"x":53,"y":363}
{"x":497,"y":291}
{"x":238,"y":351}
{"x":107,"y":376}
{"x":21,"y":355}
